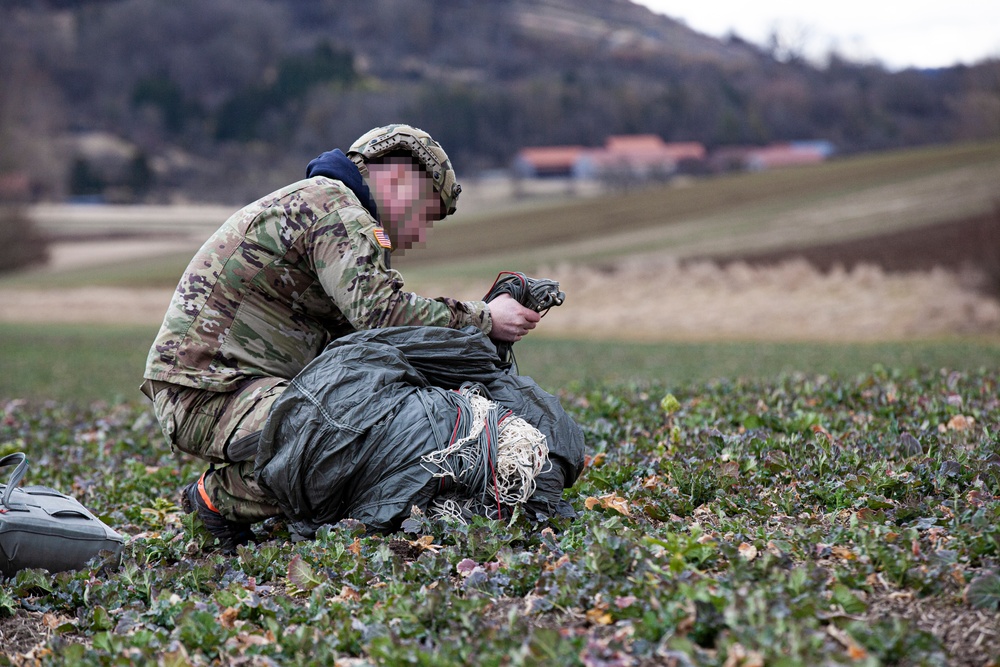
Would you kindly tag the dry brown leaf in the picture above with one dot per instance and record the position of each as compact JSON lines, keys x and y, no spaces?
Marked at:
{"x":227,"y":618}
{"x":616,"y":502}
{"x":739,"y":656}
{"x":51,"y":621}
{"x":625,"y":602}
{"x":425,"y":543}
{"x":550,"y":566}
{"x":748,"y":551}
{"x":961,"y":423}
{"x":355,"y":547}
{"x":843,"y":553}
{"x":856,"y":652}
{"x":817,"y":428}
{"x":599,"y":616}
{"x":347,"y":594}
{"x":246,"y":640}
{"x":773,"y":549}
{"x":651,"y":482}
{"x":610,"y":501}
{"x":686,"y":624}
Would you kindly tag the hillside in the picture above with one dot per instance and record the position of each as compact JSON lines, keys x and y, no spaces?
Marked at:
{"x":222,"y":101}
{"x":458,"y":42}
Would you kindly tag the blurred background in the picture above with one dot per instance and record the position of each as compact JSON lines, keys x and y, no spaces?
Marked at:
{"x":719,"y":194}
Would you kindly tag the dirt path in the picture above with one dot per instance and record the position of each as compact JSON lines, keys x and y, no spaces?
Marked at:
{"x":91,"y":305}
{"x":98,"y":252}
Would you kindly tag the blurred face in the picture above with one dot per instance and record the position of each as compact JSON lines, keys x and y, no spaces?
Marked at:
{"x":407,"y":202}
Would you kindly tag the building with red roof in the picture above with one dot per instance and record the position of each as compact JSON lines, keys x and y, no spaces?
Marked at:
{"x":640,"y":155}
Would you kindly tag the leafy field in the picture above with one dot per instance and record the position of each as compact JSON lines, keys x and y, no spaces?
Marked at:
{"x":798,"y":521}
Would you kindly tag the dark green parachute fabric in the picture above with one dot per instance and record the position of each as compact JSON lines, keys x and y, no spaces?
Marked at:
{"x":345,"y":439}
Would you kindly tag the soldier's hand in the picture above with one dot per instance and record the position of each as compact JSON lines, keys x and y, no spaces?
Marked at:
{"x":511,"y":320}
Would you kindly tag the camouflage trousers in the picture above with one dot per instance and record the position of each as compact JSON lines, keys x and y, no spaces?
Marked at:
{"x":222,"y":428}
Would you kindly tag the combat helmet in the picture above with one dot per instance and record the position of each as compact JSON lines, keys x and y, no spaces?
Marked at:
{"x":428,"y":152}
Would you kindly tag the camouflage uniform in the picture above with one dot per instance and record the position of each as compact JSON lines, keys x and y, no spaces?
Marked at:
{"x":263,"y":297}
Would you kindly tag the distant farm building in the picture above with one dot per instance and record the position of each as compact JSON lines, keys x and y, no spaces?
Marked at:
{"x":547,"y":161}
{"x":643,"y":157}
{"x":772,"y":156}
{"x":646,"y":157}
{"x":793,"y":154}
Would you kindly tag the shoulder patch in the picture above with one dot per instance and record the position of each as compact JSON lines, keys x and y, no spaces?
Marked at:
{"x":383,"y":238}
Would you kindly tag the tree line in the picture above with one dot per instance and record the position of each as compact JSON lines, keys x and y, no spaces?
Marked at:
{"x":222,"y":100}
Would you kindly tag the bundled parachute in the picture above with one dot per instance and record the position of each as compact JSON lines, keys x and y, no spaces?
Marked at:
{"x":388,"y":419}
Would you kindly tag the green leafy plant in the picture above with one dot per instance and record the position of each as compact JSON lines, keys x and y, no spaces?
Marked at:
{"x":777,"y":521}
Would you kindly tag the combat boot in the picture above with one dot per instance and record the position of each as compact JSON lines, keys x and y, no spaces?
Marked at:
{"x":231,"y":534}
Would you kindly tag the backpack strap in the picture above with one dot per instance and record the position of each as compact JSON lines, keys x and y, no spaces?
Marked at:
{"x":15,"y":478}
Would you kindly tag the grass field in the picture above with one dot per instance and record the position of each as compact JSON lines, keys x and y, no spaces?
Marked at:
{"x":78,"y":364}
{"x":83,"y":363}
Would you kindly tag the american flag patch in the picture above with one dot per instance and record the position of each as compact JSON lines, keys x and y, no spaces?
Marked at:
{"x":383,"y":238}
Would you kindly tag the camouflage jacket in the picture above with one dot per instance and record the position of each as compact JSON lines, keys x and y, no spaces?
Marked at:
{"x":278,"y":281}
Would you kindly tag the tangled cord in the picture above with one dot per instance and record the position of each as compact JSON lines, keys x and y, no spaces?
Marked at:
{"x":491,"y":461}
{"x":538,"y":294}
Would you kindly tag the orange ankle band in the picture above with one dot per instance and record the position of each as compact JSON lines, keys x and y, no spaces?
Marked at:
{"x":204,"y":493}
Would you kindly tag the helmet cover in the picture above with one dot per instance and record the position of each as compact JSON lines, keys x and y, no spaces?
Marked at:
{"x":382,"y":140}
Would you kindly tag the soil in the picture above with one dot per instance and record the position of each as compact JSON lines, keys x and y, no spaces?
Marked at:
{"x":90,"y":305}
{"x":970,"y":636}
{"x":96,"y":252}
{"x":24,"y":633}
{"x":954,"y":245}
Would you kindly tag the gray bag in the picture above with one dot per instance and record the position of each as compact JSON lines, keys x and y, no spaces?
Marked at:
{"x":42,"y":528}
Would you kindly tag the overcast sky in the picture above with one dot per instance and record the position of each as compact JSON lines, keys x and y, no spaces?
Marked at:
{"x":919,"y":33}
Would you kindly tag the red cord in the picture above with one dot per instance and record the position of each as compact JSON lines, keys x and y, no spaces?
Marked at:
{"x":454,"y":431}
{"x":519,"y":276}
